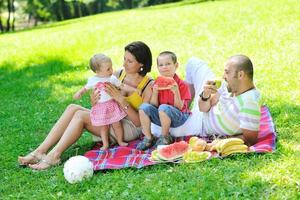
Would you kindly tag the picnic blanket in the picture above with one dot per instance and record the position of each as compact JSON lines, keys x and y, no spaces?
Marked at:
{"x":122,"y":157}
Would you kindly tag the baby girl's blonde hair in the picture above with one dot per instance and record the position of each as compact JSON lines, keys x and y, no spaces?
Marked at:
{"x":97,"y":60}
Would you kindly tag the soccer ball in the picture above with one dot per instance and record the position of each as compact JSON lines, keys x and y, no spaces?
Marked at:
{"x":78,"y":168}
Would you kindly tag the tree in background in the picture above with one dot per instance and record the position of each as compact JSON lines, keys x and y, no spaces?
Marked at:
{"x":58,"y":10}
{"x":1,"y":24}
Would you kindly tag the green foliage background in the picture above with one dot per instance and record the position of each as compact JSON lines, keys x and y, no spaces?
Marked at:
{"x":40,"y":69}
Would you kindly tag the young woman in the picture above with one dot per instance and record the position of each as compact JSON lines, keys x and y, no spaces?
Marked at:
{"x":75,"y":119}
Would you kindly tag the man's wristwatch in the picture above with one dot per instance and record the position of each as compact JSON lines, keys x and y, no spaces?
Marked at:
{"x":203,"y":98}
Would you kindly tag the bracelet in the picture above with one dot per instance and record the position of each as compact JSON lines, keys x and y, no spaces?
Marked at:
{"x":203,"y":98}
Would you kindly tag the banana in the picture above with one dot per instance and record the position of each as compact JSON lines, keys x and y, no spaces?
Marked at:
{"x":213,"y":145}
{"x":228,"y":142}
{"x":218,"y":145}
{"x":234,"y":149}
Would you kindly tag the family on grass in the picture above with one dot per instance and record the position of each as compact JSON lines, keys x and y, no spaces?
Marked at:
{"x":128,"y":104}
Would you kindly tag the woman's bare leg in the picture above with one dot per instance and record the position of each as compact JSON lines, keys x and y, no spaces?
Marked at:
{"x":72,"y":133}
{"x":74,"y":130}
{"x":119,"y":132}
{"x":54,"y":135}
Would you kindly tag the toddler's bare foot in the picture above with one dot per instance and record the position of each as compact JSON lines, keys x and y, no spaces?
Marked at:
{"x":123,"y":144}
{"x":31,"y":158}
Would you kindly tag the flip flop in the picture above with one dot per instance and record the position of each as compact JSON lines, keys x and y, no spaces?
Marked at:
{"x":36,"y":159}
{"x":47,"y":164}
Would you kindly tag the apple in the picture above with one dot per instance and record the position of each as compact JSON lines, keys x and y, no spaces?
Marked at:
{"x":199,"y":145}
{"x":193,"y":140}
{"x":218,"y":83}
{"x":209,"y":147}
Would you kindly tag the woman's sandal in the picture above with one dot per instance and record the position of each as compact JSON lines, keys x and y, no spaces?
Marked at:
{"x":44,"y":164}
{"x":35,"y":158}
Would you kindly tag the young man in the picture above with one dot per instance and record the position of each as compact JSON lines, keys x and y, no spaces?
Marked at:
{"x":234,"y":109}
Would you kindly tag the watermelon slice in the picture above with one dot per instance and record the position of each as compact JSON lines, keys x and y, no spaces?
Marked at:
{"x":164,"y":82}
{"x":172,"y":151}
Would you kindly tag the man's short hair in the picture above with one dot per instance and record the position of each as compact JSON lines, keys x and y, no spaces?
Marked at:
{"x":243,"y":63}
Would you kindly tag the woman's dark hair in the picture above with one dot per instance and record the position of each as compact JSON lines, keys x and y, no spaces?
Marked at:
{"x":142,"y":54}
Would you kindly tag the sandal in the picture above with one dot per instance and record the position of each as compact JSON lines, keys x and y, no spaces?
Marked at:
{"x":145,"y":144}
{"x":35,"y":158}
{"x":164,"y":140}
{"x":103,"y":148}
{"x":44,"y":164}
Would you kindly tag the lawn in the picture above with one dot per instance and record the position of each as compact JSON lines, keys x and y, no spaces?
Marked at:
{"x":40,"y":69}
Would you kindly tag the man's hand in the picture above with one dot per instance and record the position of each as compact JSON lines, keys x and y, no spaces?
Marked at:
{"x":209,"y":89}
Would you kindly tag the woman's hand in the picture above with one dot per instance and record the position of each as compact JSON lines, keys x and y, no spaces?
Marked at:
{"x":113,"y":91}
{"x":155,"y":88}
{"x":95,"y":96}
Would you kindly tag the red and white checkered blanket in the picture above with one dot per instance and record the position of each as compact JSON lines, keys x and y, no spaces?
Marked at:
{"x":122,"y":157}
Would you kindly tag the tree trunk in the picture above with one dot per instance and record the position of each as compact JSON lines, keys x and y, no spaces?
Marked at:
{"x":1,"y":25}
{"x":29,"y":19}
{"x":13,"y":15}
{"x":36,"y":21}
{"x":129,"y":3}
{"x":79,"y":8}
{"x":101,"y":4}
{"x":60,"y":10}
{"x":8,"y":18}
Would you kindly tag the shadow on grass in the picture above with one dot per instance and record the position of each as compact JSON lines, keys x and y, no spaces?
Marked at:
{"x":26,"y":104}
{"x":30,"y":108}
{"x":28,"y":88}
{"x":177,"y":4}
{"x":286,"y":119}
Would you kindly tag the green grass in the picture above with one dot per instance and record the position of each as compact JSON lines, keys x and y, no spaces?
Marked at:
{"x":40,"y":69}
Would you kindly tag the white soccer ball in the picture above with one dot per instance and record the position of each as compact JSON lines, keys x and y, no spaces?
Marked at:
{"x":78,"y":168}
